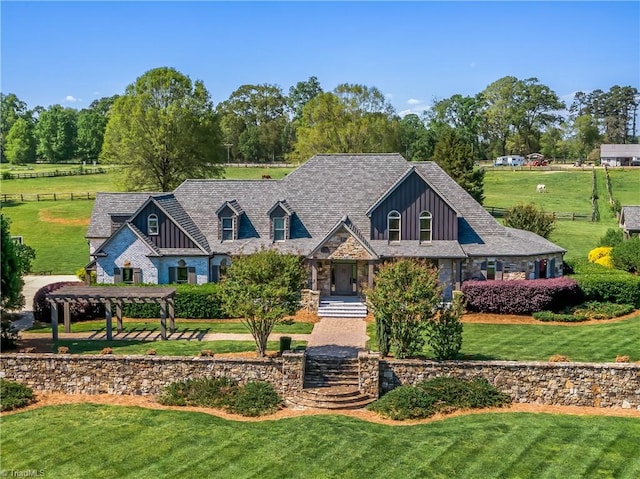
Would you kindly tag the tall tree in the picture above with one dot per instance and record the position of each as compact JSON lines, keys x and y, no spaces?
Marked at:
{"x":11,"y":109}
{"x":415,"y":138}
{"x":262,"y":289}
{"x":301,"y":94}
{"x":262,"y":109}
{"x":20,"y":143}
{"x":163,"y":130}
{"x":455,"y":156}
{"x":499,"y":116}
{"x":351,"y":119}
{"x":92,"y":123}
{"x":56,"y":133}
{"x":16,"y":262}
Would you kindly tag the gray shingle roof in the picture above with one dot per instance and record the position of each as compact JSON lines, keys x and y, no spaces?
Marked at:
{"x":630,"y":218}
{"x":320,"y":193}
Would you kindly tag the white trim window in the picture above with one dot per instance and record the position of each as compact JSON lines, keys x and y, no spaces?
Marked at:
{"x":393,"y":225}
{"x":425,"y":227}
{"x":279,"y":231}
{"x":227,"y":228}
{"x":152,"y":225}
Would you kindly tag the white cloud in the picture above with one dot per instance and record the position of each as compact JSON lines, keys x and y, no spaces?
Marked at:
{"x":419,"y":109}
{"x":413,"y":101}
{"x":71,"y":99}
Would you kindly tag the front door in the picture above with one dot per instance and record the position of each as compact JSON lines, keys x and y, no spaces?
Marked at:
{"x":343,"y":275}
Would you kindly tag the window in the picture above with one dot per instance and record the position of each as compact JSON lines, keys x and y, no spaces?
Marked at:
{"x":227,"y":229}
{"x":491,"y":270}
{"x":278,"y":229}
{"x":127,"y":275}
{"x":182,"y":272}
{"x":425,"y":226}
{"x":224,"y":265}
{"x":152,"y":224}
{"x":393,"y":226}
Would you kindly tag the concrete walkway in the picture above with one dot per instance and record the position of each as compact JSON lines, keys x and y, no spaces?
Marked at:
{"x":338,"y":337}
{"x":31,"y":286}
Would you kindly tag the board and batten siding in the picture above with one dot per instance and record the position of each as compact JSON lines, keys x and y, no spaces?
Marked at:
{"x":410,"y":199}
{"x":169,"y":234}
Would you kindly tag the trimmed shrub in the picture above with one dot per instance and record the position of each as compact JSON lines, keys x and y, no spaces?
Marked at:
{"x":559,"y":317}
{"x":438,"y":395}
{"x":82,"y":310}
{"x":605,"y":261}
{"x":14,"y":395}
{"x":520,"y":296}
{"x":599,"y":252}
{"x":206,"y":392}
{"x":255,"y":398}
{"x":626,"y":255}
{"x":444,"y":332}
{"x":598,"y":310}
{"x":615,"y":287}
{"x":202,"y":301}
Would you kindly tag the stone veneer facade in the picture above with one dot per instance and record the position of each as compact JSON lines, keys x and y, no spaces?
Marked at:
{"x":614,"y":385}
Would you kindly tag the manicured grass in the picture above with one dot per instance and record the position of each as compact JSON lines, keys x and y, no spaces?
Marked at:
{"x":165,"y":348}
{"x":61,"y":184}
{"x":533,"y":342}
{"x":70,"y":441}
{"x":626,"y":185}
{"x":55,"y":229}
{"x":200,"y":327}
{"x":580,"y":237}
{"x":253,"y":173}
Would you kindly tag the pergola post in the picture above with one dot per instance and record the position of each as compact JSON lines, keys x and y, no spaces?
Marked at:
{"x":67,"y":317}
{"x":172,"y":315}
{"x":54,"y":320}
{"x":107,"y":317}
{"x":119,"y":316}
{"x":163,"y":319}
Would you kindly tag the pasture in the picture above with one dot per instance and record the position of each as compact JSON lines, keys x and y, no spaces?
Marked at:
{"x":88,"y":440}
{"x":57,"y":234}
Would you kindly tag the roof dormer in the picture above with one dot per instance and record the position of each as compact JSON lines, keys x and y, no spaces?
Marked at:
{"x":280,"y":220}
{"x":228,"y":220}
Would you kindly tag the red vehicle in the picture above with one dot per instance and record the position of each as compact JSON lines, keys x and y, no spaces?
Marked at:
{"x":539,"y":163}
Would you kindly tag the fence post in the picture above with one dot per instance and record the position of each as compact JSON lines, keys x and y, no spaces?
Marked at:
{"x":38,"y":196}
{"x":54,"y":197}
{"x":72,"y":196}
{"x":21,"y":198}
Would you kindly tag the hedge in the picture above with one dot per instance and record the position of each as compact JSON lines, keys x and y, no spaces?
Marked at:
{"x":191,"y":302}
{"x":614,"y":287}
{"x":520,"y":296}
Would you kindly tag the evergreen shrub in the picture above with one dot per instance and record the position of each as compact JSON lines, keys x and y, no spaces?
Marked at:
{"x":520,"y":296}
{"x":14,"y":395}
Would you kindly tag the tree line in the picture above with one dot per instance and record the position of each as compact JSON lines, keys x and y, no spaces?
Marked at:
{"x":166,"y":128}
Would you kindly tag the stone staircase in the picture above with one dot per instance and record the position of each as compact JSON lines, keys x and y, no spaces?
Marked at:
{"x":342,"y":307}
{"x":331,"y":383}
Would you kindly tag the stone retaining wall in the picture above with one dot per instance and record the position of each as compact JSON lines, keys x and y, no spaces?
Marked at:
{"x":567,"y":384}
{"x":138,"y":375}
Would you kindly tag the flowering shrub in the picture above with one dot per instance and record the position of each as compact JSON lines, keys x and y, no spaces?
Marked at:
{"x":520,"y":296}
{"x":599,"y":252}
{"x":606,"y":261}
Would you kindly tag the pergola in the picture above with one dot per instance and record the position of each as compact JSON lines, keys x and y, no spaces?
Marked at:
{"x":112,"y":296}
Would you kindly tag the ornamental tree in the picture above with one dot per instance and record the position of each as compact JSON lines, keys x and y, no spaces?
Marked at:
{"x":262,"y":289}
{"x":16,"y":262}
{"x":404,"y":301}
{"x":530,"y":218}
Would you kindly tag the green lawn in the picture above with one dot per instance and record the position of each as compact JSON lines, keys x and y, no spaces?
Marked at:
{"x":524,"y":342}
{"x":55,"y":229}
{"x":166,"y":348}
{"x":77,"y":441}
{"x":203,"y":327}
{"x":61,"y":184}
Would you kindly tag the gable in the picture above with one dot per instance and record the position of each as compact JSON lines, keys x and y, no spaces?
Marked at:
{"x":169,"y":234}
{"x":342,"y":244}
{"x":410,"y":198}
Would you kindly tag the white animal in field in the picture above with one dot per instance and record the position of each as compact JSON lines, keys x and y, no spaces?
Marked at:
{"x":541,"y":189}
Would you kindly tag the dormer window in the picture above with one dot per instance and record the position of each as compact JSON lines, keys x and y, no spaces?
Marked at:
{"x":425,"y":226}
{"x":279,"y":229}
{"x":393,"y":226}
{"x":227,"y":228}
{"x":152,"y":224}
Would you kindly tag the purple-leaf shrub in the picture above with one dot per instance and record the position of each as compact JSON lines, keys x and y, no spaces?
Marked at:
{"x":520,"y":296}
{"x":79,"y":310}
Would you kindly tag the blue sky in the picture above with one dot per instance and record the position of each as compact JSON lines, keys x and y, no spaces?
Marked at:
{"x":74,"y":52}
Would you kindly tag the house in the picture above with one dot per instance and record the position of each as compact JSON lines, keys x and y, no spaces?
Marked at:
{"x":344,"y":213}
{"x":620,"y":155}
{"x":630,"y":221}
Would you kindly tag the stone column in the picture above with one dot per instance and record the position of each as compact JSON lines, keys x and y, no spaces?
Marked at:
{"x":369,"y":373}
{"x":371,"y":272}
{"x":314,"y":274}
{"x":292,"y":372}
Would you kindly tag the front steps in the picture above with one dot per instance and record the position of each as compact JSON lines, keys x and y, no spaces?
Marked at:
{"x":342,"y":307}
{"x":331,"y":383}
{"x":333,"y":398}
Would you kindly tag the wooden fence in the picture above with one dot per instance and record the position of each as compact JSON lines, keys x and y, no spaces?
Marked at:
{"x":498,"y":212}
{"x":10,"y":175}
{"x":5,"y":198}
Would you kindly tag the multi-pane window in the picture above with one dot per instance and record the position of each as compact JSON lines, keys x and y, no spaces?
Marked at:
{"x":425,"y":226}
{"x":182,"y":273}
{"x":393,"y":226}
{"x":227,"y":229}
{"x":127,"y":275}
{"x":152,"y":224}
{"x":278,"y":229}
